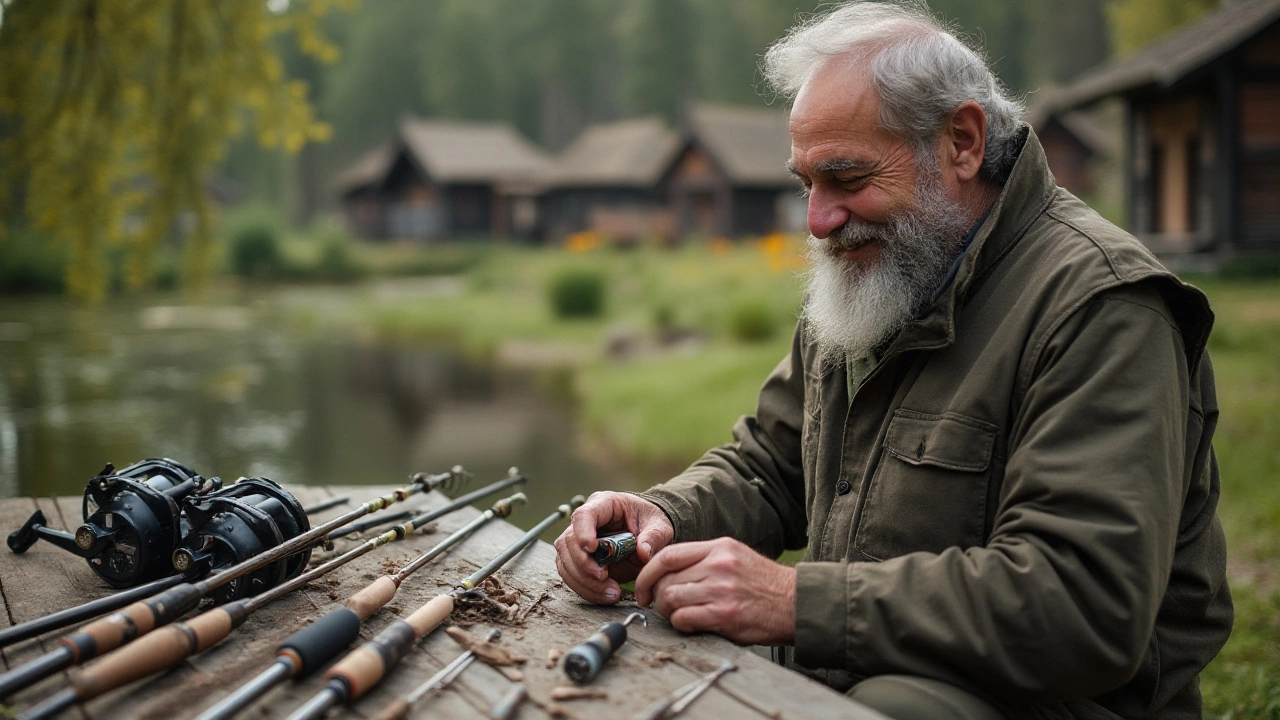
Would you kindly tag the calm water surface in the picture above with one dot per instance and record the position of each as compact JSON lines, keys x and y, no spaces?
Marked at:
{"x":277,"y":383}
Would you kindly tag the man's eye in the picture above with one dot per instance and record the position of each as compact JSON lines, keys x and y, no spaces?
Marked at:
{"x":854,"y":181}
{"x":803,"y":192}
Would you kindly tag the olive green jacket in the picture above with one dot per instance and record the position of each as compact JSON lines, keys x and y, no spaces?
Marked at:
{"x":1020,"y":497}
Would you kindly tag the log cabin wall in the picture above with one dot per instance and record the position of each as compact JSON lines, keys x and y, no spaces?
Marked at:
{"x":1068,"y":157}
{"x":1258,"y":170}
{"x":701,"y":195}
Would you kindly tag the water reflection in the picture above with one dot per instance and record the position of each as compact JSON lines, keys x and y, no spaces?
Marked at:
{"x":245,"y":389}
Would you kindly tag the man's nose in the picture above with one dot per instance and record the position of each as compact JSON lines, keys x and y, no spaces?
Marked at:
{"x":825,"y":213}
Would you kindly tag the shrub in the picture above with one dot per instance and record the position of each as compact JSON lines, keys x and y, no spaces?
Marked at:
{"x":751,"y":321}
{"x":577,"y":292}
{"x":336,"y":260}
{"x":253,"y":237}
{"x":31,"y":262}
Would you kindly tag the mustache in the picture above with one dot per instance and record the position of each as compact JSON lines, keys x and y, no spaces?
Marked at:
{"x":851,"y":235}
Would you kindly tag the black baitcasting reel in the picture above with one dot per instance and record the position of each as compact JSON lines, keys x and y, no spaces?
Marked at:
{"x":238,"y":522}
{"x":132,"y":521}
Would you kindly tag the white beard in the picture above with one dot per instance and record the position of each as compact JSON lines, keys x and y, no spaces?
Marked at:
{"x":852,"y":309}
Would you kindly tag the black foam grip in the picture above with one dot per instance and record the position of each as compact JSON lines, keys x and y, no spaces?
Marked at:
{"x":322,"y":640}
{"x":616,"y":632}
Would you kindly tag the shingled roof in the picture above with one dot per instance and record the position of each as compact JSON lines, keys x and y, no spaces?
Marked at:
{"x":1168,"y":61}
{"x":630,"y":153}
{"x":451,"y":152}
{"x":750,"y":144}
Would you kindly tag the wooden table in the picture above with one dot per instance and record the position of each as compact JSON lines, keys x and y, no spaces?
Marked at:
{"x":45,"y":579}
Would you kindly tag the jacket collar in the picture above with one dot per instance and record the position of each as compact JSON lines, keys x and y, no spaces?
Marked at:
{"x":1024,"y":197}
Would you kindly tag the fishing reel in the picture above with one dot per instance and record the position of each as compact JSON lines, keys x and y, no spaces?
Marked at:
{"x":238,"y":522}
{"x":133,"y":521}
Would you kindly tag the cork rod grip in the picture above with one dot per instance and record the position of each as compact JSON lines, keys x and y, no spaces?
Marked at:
{"x":157,"y":651}
{"x":429,"y":616}
{"x":362,"y":668}
{"x":378,"y":593}
{"x":102,"y":636}
{"x":160,"y":650}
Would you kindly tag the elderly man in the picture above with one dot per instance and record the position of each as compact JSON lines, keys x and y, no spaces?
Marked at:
{"x":992,"y":430}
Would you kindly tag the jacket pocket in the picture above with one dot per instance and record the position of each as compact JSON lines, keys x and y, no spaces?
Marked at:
{"x":929,"y":491}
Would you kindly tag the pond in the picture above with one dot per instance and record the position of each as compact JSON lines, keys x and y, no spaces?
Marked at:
{"x":279,"y":383}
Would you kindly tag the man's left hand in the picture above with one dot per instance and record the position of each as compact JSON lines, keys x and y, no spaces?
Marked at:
{"x":722,"y":586}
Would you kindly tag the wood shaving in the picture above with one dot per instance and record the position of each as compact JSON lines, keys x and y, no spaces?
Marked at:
{"x":496,"y":603}
{"x":487,"y":652}
{"x":656,"y":659}
{"x":553,"y":658}
{"x":577,"y":693}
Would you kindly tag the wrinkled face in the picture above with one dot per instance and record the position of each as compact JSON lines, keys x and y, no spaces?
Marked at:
{"x":853,"y":170}
{"x":885,"y":227}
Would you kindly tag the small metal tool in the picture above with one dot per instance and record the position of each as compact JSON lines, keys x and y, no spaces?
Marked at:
{"x":585,"y":661}
{"x":613,"y":548}
{"x":450,"y":672}
{"x":510,"y":703}
{"x":676,"y":703}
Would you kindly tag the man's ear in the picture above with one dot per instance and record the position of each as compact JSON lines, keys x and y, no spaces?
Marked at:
{"x":965,"y":140}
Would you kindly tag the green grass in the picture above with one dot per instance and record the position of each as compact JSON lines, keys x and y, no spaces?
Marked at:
{"x":662,"y":410}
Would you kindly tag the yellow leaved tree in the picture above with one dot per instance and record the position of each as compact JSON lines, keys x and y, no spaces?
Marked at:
{"x":113,"y":111}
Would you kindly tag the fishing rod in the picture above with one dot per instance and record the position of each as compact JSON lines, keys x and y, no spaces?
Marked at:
{"x":94,"y":608}
{"x":169,"y":646}
{"x":399,"y":708}
{"x":366,"y":666}
{"x":318,"y":643}
{"x":106,"y":634}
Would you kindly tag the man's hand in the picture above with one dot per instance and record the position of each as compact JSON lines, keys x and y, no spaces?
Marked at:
{"x":605,"y":513}
{"x":722,"y":586}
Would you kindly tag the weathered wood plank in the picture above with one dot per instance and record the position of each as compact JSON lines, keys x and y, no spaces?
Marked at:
{"x":47,"y":579}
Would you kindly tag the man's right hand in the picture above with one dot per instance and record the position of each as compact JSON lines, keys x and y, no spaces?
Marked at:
{"x":605,"y":513}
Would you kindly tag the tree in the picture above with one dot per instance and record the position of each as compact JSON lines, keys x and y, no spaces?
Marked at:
{"x":1135,"y":23}
{"x":659,"y":38}
{"x":113,"y":112}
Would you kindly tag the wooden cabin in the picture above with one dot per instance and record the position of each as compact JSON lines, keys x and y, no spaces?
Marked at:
{"x":439,"y":179}
{"x":729,"y":178}
{"x":609,"y":181}
{"x":1075,"y":144}
{"x":1202,"y":157}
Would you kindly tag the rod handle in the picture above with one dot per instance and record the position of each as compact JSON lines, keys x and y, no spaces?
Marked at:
{"x":376,"y":594}
{"x":429,"y":616}
{"x":322,"y":640}
{"x":106,"y":634}
{"x":159,"y":650}
{"x":364,"y":667}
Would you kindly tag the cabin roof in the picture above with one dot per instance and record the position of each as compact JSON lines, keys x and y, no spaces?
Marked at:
{"x":1171,"y":59}
{"x":627,"y":153}
{"x":751,"y":145}
{"x":450,"y":152}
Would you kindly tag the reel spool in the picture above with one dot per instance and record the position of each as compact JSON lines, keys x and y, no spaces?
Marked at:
{"x":132,"y":521}
{"x":238,"y":522}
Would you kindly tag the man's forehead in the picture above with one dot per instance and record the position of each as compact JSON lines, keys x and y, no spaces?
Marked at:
{"x":835,"y":123}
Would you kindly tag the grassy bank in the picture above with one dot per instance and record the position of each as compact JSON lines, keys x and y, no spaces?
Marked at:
{"x":659,"y":407}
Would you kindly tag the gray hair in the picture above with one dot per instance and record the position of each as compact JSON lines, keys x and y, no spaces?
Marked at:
{"x":920,"y":70}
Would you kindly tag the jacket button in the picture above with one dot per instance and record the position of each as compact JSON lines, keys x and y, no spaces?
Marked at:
{"x":843,"y":487}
